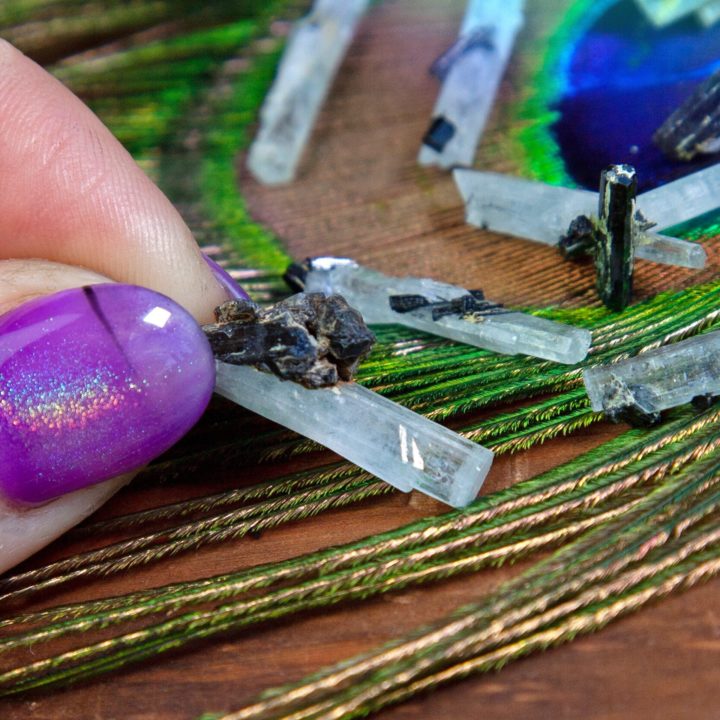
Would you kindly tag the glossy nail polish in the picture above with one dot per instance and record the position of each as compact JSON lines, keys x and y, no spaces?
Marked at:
{"x":234,"y":291}
{"x":95,"y":382}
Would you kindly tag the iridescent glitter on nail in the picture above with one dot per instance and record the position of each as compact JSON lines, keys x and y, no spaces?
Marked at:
{"x":95,"y":382}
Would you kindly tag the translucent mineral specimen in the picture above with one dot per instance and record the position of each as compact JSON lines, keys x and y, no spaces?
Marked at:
{"x":543,"y":213}
{"x":638,"y":389}
{"x":475,"y":322}
{"x":313,"y":54}
{"x":471,"y":71}
{"x":694,"y":128}
{"x":664,"y":12}
{"x":395,"y":444}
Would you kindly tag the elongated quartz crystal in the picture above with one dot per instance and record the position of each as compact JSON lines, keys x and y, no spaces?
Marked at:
{"x":471,"y":71}
{"x":643,"y":386}
{"x":313,"y":54}
{"x":511,"y":333}
{"x":540,"y":212}
{"x":395,"y":444}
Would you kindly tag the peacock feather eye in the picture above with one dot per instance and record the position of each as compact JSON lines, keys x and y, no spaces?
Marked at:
{"x":597,"y":82}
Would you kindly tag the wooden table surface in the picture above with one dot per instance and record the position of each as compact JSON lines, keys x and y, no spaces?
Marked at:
{"x":361,"y":194}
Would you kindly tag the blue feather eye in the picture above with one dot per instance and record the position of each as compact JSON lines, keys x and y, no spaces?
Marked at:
{"x":621,"y":78}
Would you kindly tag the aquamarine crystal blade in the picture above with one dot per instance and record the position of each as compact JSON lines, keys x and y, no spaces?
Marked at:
{"x":543,"y":213}
{"x":313,"y":54}
{"x":658,"y":379}
{"x":393,"y":443}
{"x":470,"y":85}
{"x":506,"y":332}
{"x":683,"y":199}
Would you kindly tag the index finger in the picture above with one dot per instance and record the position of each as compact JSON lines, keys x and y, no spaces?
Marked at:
{"x":70,"y":192}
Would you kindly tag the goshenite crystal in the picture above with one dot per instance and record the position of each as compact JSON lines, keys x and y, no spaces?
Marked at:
{"x":474,"y":321}
{"x":393,"y":443}
{"x":313,"y":54}
{"x":694,"y":128}
{"x":470,"y":71}
{"x":640,"y":388}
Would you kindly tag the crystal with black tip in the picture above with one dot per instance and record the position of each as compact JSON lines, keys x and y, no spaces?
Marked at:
{"x":470,"y":71}
{"x":291,"y":362}
{"x":694,"y":128}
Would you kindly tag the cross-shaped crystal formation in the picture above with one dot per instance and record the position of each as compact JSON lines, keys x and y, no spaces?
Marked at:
{"x":694,"y":128}
{"x":313,"y":54}
{"x":441,"y":309}
{"x":292,"y":363}
{"x":639,"y":389}
{"x":471,"y":71}
{"x":550,"y":215}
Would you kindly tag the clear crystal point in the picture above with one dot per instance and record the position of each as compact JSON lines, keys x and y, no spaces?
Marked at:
{"x":658,"y":379}
{"x":393,"y":443}
{"x":540,"y":212}
{"x":469,"y":86}
{"x":313,"y":54}
{"x":511,"y":333}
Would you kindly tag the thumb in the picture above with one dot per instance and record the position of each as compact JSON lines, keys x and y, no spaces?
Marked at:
{"x":96,"y":379}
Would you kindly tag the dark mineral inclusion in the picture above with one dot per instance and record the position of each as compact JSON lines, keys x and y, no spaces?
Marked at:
{"x":694,"y":128}
{"x":310,"y":339}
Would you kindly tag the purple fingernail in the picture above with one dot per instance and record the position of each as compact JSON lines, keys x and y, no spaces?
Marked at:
{"x":95,"y":382}
{"x":234,"y":291}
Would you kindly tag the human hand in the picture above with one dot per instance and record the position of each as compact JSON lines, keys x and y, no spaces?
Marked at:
{"x":94,"y":383}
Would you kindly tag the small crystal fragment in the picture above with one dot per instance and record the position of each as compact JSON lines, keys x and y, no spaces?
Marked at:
{"x":709,"y":13}
{"x":441,"y":309}
{"x":471,"y":71}
{"x":308,"y":338}
{"x":614,"y":249}
{"x":313,"y":54}
{"x":543,"y":213}
{"x":640,"y":388}
{"x":664,"y":12}
{"x":395,"y":444}
{"x":694,"y":128}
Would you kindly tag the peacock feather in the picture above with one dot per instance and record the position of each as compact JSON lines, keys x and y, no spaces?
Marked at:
{"x":601,"y":535}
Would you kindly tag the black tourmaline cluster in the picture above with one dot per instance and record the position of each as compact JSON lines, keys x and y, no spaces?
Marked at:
{"x":694,"y":128}
{"x":311,"y":339}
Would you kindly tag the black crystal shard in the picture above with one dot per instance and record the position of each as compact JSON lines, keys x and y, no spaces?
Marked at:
{"x":407,"y":303}
{"x":704,"y":402}
{"x":473,"y":303}
{"x":694,"y":128}
{"x":308,"y":338}
{"x":626,"y":403}
{"x":439,"y":134}
{"x":481,"y":38}
{"x":296,"y":275}
{"x":616,"y":228}
{"x":580,"y":239}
